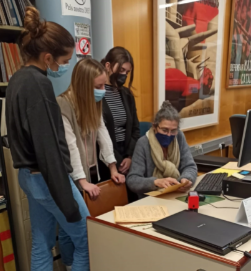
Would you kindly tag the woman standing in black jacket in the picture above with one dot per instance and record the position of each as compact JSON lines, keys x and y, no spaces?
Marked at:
{"x":38,"y":146}
{"x":119,"y":109}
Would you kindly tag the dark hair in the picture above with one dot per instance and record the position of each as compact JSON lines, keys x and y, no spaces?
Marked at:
{"x":167,"y":112}
{"x":41,"y":36}
{"x":119,"y":55}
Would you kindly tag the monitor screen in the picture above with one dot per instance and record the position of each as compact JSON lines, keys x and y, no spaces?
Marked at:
{"x":245,"y":152}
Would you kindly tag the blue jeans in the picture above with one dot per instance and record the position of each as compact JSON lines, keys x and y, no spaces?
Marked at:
{"x":44,"y":216}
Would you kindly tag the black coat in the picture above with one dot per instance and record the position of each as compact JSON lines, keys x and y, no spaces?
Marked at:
{"x":132,"y":132}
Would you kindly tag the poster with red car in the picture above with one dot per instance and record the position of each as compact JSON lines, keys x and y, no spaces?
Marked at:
{"x":192,"y":65}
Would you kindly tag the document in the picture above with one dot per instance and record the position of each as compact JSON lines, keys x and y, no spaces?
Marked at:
{"x":138,"y":214}
{"x":244,"y":214}
{"x":229,"y":172}
{"x":233,"y":165}
{"x":164,"y":191}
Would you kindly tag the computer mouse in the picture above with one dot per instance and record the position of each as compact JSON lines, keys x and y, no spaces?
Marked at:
{"x":202,"y":197}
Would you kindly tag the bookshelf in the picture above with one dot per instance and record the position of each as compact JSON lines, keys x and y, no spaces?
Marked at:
{"x":8,"y":34}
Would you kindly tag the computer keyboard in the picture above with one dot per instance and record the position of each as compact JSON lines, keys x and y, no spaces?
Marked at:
{"x":211,"y":184}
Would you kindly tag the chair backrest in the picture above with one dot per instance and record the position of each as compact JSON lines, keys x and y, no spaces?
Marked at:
{"x":237,"y":123}
{"x":144,"y":127}
{"x":111,"y":195}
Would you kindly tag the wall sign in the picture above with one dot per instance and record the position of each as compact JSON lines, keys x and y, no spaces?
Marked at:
{"x":84,"y":46}
{"x":82,"y":40}
{"x":81,"y":8}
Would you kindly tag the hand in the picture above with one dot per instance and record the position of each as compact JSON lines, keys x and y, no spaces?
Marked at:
{"x":186,"y":187}
{"x":125,"y":165}
{"x":92,"y":189}
{"x":166,"y":182}
{"x":118,"y":178}
{"x":115,"y":176}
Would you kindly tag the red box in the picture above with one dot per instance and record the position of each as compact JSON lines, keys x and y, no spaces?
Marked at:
{"x":193,"y":201}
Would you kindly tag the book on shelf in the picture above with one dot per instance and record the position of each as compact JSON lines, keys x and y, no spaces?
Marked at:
{"x":12,"y":12}
{"x":10,"y":60}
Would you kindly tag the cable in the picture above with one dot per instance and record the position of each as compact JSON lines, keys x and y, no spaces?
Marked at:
{"x":230,"y":199}
{"x":246,"y":253}
{"x":223,"y":207}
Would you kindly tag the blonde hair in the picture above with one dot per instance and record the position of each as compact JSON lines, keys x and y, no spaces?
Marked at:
{"x":81,"y":95}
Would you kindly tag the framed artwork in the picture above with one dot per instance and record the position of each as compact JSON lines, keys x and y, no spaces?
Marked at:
{"x":188,"y":45}
{"x":239,"y":59}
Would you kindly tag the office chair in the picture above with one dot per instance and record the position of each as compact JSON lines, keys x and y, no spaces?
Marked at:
{"x":237,"y":123}
{"x":144,"y":127}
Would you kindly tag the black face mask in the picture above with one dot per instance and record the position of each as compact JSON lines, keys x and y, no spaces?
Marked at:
{"x":120,"y":80}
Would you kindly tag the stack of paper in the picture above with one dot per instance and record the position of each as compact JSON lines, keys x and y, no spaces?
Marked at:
{"x":139,"y":214}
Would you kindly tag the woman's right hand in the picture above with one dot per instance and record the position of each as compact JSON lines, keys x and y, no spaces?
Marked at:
{"x":92,"y":189}
{"x":165,"y":182}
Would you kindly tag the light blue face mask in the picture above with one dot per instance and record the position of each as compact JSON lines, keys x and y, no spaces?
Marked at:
{"x":99,"y":94}
{"x":62,"y":69}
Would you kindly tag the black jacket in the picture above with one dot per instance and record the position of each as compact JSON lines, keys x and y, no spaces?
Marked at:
{"x":36,"y":135}
{"x":132,"y":133}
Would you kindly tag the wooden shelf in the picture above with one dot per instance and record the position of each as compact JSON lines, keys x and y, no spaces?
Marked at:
{"x":9,"y":33}
{"x":11,"y":28}
{"x":3,"y":84}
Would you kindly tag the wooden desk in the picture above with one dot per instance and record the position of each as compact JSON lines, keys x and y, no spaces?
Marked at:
{"x":119,"y":248}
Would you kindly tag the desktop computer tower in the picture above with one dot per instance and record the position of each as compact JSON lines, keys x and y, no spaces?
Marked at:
{"x":232,"y":186}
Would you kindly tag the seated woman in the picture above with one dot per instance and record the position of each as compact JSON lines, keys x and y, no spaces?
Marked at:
{"x":162,"y":158}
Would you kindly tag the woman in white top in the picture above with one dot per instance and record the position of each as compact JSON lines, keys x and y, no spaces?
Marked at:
{"x":81,"y":108}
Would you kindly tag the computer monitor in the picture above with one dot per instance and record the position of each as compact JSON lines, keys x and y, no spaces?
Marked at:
{"x":245,"y":151}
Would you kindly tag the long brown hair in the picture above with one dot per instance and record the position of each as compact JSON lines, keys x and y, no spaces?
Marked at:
{"x":41,"y":36}
{"x":81,"y":94}
{"x":121,"y":56}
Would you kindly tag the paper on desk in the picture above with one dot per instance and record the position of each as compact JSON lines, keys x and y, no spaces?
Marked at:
{"x":138,"y":214}
{"x":230,"y":172}
{"x":244,"y":213}
{"x":233,"y":165}
{"x":167,"y":190}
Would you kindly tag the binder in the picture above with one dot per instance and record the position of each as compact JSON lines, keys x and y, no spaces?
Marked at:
{"x":6,"y":7}
{"x":10,"y":58}
{"x":3,"y":71}
{"x":4,"y":22}
{"x":6,"y":62}
{"x":18,"y":17}
{"x":12,"y":12}
{"x":4,"y":12}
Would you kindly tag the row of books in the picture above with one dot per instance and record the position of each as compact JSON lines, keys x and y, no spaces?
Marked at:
{"x":10,"y":60}
{"x":12,"y":12}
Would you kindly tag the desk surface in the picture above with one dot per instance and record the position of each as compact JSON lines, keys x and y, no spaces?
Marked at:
{"x":175,"y":206}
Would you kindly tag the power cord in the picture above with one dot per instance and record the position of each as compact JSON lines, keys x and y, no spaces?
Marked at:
{"x":246,"y":253}
{"x":230,"y":199}
{"x":223,"y":207}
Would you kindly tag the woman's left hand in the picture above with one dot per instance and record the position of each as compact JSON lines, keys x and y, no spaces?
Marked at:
{"x":118,"y":178}
{"x":186,"y":187}
{"x":125,"y":165}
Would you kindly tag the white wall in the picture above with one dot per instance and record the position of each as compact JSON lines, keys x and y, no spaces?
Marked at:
{"x":102,"y":29}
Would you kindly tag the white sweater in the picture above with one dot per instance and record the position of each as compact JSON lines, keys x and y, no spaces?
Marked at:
{"x":105,"y":145}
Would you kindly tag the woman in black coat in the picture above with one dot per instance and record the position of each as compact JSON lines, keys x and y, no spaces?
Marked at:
{"x":119,"y":109}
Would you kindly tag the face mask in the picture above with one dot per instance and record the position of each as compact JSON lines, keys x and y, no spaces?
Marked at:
{"x":99,"y":94}
{"x":62,"y":69}
{"x":164,"y":140}
{"x":120,"y":80}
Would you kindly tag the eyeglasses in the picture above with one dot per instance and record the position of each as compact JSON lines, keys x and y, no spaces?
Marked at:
{"x":168,"y":131}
